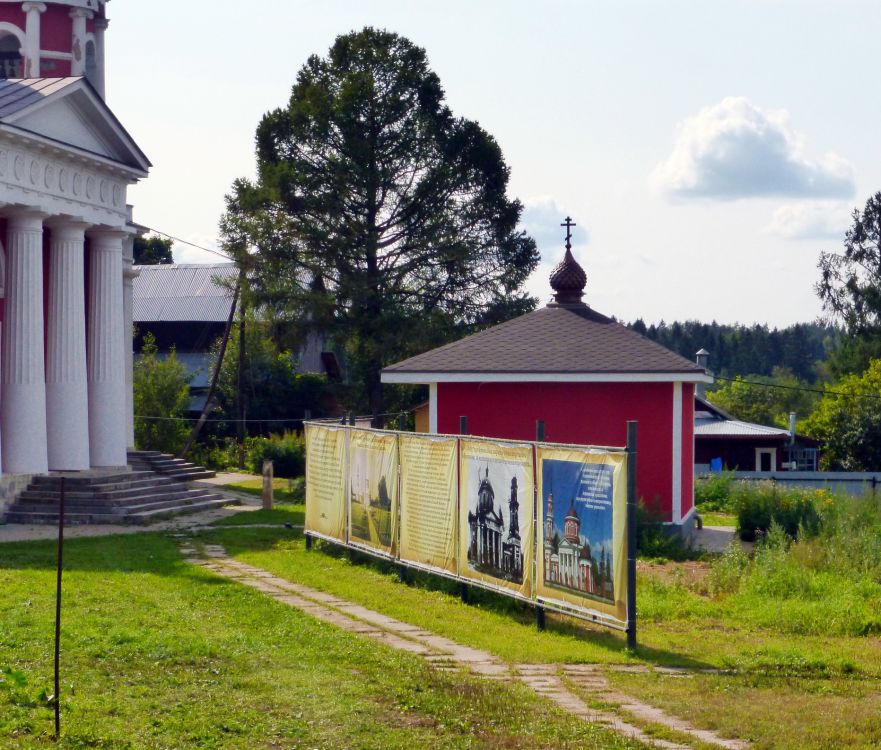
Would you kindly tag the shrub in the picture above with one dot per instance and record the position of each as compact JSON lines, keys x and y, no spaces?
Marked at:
{"x":287,"y":452}
{"x":760,"y":504}
{"x":161,"y":395}
{"x":713,"y":493}
{"x":655,"y":540}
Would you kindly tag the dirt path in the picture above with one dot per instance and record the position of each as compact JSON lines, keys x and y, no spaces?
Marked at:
{"x":548,"y":680}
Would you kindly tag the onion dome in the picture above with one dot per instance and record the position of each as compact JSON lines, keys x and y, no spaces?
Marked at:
{"x":568,"y":279}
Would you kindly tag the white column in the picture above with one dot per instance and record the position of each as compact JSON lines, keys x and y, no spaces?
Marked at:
{"x":677,"y":453}
{"x":432,"y":408}
{"x":128,"y":277}
{"x":67,"y":392}
{"x":31,"y":51}
{"x":106,"y":371}
{"x":78,"y":42}
{"x":23,"y":424}
{"x":100,"y":28}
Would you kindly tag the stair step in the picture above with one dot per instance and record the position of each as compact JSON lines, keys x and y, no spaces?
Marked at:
{"x":156,"y":515}
{"x":27,"y":499}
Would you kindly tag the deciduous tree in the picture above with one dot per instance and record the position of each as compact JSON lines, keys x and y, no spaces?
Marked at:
{"x":850,"y":287}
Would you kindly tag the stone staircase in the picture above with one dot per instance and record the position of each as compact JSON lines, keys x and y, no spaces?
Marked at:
{"x":167,"y":465}
{"x":129,"y":497}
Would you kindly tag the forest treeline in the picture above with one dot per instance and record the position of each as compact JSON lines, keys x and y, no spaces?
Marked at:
{"x":801,"y":349}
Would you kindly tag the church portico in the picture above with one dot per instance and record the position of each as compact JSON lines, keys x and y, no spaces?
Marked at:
{"x":65,"y":261}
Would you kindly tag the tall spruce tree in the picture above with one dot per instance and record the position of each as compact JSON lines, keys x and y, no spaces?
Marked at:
{"x":377,"y":216}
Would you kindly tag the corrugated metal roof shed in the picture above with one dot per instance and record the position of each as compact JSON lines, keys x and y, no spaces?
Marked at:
{"x":183,"y":292}
{"x":713,"y":427}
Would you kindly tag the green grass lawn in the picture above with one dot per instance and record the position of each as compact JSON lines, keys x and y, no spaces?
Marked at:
{"x":719,"y":519}
{"x":283,"y":490}
{"x":158,"y":653}
{"x":789,"y":661}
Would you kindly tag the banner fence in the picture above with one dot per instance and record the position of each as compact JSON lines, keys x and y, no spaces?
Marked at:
{"x":551,"y":525}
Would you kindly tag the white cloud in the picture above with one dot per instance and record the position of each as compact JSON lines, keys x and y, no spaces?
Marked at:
{"x":542,"y":218}
{"x":734,"y":149}
{"x":811,"y":220}
{"x":184,"y":253}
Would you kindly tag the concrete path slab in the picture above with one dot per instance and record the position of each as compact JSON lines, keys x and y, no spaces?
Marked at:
{"x":550,"y":681}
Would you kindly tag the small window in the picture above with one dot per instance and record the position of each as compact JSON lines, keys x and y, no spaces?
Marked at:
{"x":91,"y":63}
{"x":10,"y":56}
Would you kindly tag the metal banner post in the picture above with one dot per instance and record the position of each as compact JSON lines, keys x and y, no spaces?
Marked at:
{"x":631,"y":535}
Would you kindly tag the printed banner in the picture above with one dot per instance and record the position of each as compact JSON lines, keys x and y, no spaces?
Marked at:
{"x":428,"y":500}
{"x":326,"y":463}
{"x":373,"y":489}
{"x":582,"y":515}
{"x":496,"y":499}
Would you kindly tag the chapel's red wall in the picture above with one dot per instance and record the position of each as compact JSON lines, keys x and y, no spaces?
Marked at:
{"x":585,"y":413}
{"x":56,"y":29}
{"x":12,"y":13}
{"x":687,"y":448}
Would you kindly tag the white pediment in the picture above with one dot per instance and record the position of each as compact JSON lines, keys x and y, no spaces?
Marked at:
{"x":74,"y":115}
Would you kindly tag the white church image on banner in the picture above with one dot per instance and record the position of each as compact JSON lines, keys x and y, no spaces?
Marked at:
{"x":65,"y":165}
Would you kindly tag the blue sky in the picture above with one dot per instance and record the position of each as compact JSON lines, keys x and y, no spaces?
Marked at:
{"x":707,"y":150}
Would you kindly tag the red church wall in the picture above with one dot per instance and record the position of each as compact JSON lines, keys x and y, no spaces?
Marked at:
{"x":687,"y":448}
{"x":56,"y":29}
{"x":592,"y":413}
{"x":12,"y":13}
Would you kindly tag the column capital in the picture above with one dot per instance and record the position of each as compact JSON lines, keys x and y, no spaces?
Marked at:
{"x":67,"y":228}
{"x":82,"y":13}
{"x":101,"y":24}
{"x":29,"y":6}
{"x":25,"y":218}
{"x":106,"y":234}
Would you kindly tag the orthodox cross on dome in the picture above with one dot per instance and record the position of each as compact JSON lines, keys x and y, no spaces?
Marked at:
{"x":568,"y":224}
{"x":568,"y":278}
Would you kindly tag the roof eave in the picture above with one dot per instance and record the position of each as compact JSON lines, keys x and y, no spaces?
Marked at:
{"x":397,"y":376}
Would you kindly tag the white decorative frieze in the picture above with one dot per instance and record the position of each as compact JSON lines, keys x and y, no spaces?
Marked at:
{"x":60,"y":184}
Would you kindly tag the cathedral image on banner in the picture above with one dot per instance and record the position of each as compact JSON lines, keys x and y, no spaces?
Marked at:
{"x":373,"y":495}
{"x":495,"y":547}
{"x":577,"y":533}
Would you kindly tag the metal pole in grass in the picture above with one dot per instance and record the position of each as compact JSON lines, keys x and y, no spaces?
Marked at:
{"x":631,"y":534}
{"x":57,"y":697}
{"x":540,"y":438}
{"x":463,"y":587}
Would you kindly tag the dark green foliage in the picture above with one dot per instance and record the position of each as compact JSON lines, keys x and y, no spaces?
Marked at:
{"x":654,"y":540}
{"x":151,"y":251}
{"x":713,"y":493}
{"x":161,"y":396}
{"x":759,"y":505}
{"x":736,"y":349}
{"x":274,"y":392}
{"x":850,"y":286}
{"x":287,"y":452}
{"x":848,"y":421}
{"x":765,"y":400}
{"x":377,"y":216}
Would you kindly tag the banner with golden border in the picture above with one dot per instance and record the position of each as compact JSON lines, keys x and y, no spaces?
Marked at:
{"x":326,"y":464}
{"x":428,"y":500}
{"x":582,"y":522}
{"x":496,"y":499}
{"x":373,"y":489}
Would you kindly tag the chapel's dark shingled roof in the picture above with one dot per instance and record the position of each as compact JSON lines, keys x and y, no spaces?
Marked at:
{"x":560,"y":340}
